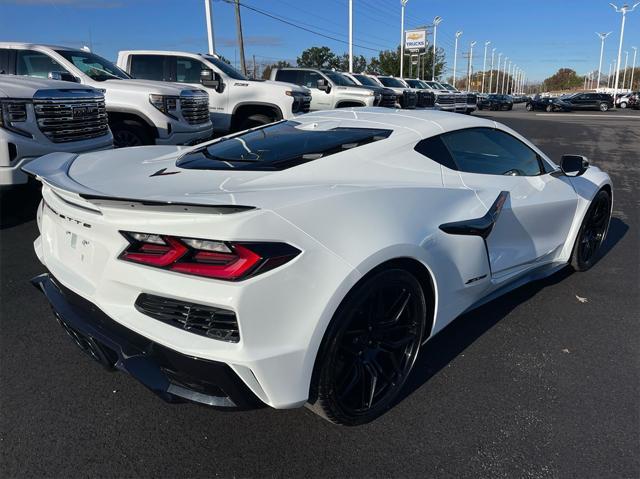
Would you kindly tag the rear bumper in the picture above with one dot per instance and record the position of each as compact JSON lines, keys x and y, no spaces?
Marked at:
{"x":173,"y":376}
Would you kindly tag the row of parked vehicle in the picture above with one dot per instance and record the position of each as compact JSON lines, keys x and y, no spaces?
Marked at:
{"x":574,"y":101}
{"x":65,"y":99}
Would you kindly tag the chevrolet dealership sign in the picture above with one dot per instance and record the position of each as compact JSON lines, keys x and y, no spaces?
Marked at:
{"x":415,"y":39}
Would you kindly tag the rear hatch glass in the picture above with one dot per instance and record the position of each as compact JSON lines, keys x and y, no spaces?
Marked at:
{"x":277,"y":147}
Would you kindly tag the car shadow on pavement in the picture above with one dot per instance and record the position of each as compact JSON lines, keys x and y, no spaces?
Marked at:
{"x":468,"y":327}
{"x":18,"y":204}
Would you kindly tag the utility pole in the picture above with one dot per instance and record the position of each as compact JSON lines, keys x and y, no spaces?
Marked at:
{"x":624,"y":10}
{"x":609,"y":75}
{"x":208,"y":9}
{"x":455,"y":57}
{"x":602,"y":38}
{"x":436,"y":22}
{"x":626,"y":60}
{"x":484,"y":64}
{"x":350,"y":36}
{"x":243,"y":66}
{"x":498,"y":72}
{"x":470,"y":66}
{"x":509,"y":76}
{"x":255,"y":74}
{"x":633,"y":68}
{"x":403,"y":3}
{"x":493,"y":54}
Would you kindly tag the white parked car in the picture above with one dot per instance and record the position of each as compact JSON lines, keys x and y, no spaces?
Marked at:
{"x":141,"y":112}
{"x":41,"y":116}
{"x":235,"y":101}
{"x":306,"y":261}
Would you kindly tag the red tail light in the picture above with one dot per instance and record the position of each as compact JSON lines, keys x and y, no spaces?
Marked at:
{"x":213,"y":259}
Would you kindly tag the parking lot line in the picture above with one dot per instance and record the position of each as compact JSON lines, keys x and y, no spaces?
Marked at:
{"x":588,"y":116}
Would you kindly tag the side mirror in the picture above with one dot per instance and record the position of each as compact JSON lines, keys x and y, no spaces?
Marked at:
{"x":62,"y":75}
{"x":574,"y":165}
{"x":210,"y":79}
{"x":323,"y":85}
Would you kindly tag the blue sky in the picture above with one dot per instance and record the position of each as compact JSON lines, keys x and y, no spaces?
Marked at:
{"x":539,"y":35}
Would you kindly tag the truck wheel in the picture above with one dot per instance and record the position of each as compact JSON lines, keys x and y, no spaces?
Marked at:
{"x":129,"y":133}
{"x":623,"y":104}
{"x":604,"y":107}
{"x":254,"y":120}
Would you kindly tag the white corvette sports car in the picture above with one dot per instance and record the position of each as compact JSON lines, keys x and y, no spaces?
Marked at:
{"x":306,"y":261}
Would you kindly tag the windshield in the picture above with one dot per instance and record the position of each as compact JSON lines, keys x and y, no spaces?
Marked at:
{"x":226,"y":68}
{"x":365,"y":80}
{"x":435,"y":85}
{"x":339,"y":79}
{"x":448,"y":87}
{"x":392,"y":82}
{"x":277,"y":147}
{"x":95,"y":67}
{"x":415,"y":83}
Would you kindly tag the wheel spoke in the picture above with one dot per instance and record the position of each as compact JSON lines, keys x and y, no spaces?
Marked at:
{"x":355,"y":375}
{"x":372,"y":384}
{"x":399,"y":307}
{"x":390,"y":345}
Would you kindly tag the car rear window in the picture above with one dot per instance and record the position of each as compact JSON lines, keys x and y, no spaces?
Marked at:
{"x":277,"y":147}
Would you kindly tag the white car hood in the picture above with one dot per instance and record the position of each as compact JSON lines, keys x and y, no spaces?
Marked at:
{"x":143,"y":86}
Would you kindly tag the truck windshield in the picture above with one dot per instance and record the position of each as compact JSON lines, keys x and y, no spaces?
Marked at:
{"x":365,"y":80}
{"x":277,"y":147}
{"x":391,"y":82}
{"x":226,"y":68}
{"x":415,"y":83}
{"x":95,"y":67}
{"x":339,"y":79}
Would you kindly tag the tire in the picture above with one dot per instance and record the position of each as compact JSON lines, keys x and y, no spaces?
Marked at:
{"x":549,"y":108}
{"x":604,"y":107}
{"x":128,"y":133}
{"x":369,"y":348}
{"x":529,"y":107}
{"x":480,"y":107}
{"x":623,"y":105}
{"x":592,"y":232}
{"x":510,"y":108}
{"x":254,"y":120}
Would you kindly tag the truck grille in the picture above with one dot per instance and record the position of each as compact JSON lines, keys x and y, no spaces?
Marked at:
{"x":301,"y":104}
{"x":409,"y":99}
{"x":448,"y":100}
{"x":195,"y":109}
{"x":426,"y":99}
{"x":388,"y":100}
{"x":472,"y":99}
{"x":214,"y":323}
{"x":71,"y":119}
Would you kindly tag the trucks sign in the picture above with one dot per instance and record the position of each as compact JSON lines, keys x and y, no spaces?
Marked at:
{"x":415,"y":39}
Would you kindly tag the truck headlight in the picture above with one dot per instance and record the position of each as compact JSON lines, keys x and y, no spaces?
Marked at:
{"x":164,"y":103}
{"x":12,"y":113}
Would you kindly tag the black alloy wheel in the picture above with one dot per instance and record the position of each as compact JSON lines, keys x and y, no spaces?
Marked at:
{"x":592,"y":232}
{"x":549,"y":108}
{"x":529,"y":107}
{"x":370,"y":348}
{"x":129,"y":133}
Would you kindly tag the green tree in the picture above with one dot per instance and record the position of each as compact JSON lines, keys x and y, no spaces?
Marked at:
{"x":563,"y":79}
{"x":316,"y":57}
{"x":266,"y":73}
{"x":388,"y":63}
{"x":341,"y":63}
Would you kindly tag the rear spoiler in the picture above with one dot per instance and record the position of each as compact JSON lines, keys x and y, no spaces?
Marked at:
{"x":53,"y":170}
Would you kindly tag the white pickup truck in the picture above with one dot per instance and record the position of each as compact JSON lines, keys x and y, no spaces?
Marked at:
{"x":42,"y":116}
{"x":329,"y":89}
{"x":140,"y":112}
{"x":235,"y":102}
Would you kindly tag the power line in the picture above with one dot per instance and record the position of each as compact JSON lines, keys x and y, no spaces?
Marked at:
{"x":274,"y":17}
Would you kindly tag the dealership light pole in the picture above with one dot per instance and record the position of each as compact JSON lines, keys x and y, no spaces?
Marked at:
{"x":498,"y":72}
{"x":504,"y":74}
{"x":493,"y":54}
{"x":602,"y":38}
{"x":470,"y":66}
{"x":350,"y":36}
{"x":624,"y":10}
{"x":436,"y":22}
{"x":455,"y":57}
{"x":633,"y":68}
{"x":208,"y":9}
{"x":403,"y":3}
{"x":484,"y":63}
{"x":626,"y":61}
{"x":609,"y":75}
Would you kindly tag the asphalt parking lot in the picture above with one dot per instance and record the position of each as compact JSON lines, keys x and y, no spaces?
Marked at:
{"x":543,"y":382}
